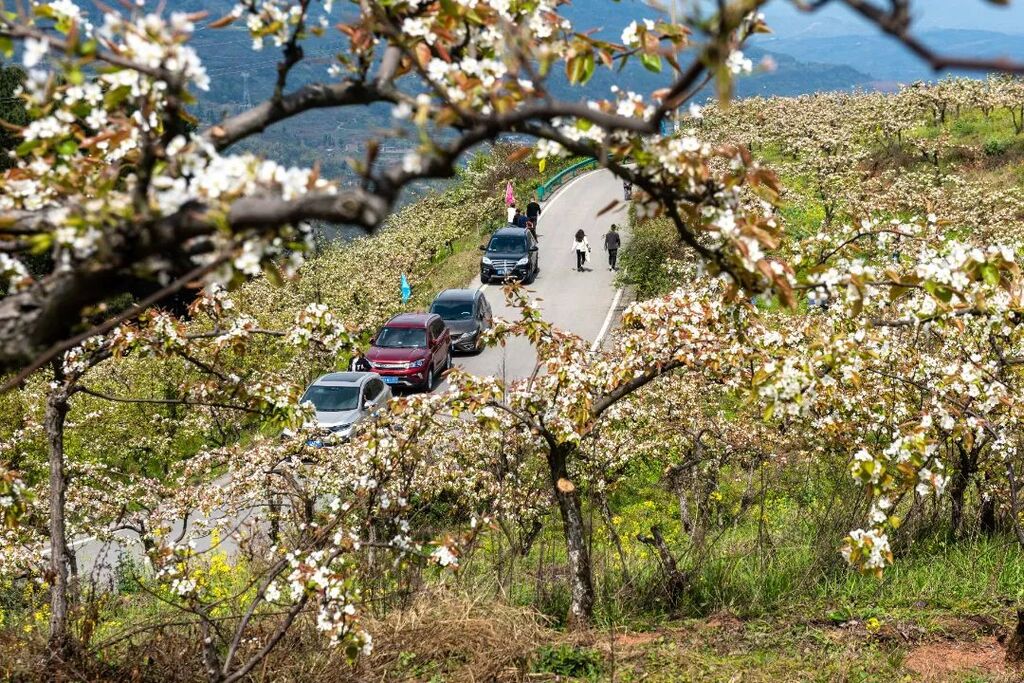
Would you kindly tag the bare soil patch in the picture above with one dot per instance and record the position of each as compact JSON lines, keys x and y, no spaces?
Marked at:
{"x":951,"y":660}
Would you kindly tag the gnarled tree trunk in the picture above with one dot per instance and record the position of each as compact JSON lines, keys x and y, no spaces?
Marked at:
{"x":56,"y":413}
{"x":581,"y":587}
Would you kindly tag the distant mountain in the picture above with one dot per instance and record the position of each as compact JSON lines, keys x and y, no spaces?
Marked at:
{"x":792,"y":77}
{"x":885,"y":59}
{"x":835,"y":19}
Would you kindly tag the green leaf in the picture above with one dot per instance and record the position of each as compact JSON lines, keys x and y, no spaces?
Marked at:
{"x":273,"y":275}
{"x":68,"y":147}
{"x":651,"y":62}
{"x":940,"y":292}
{"x":580,"y":68}
{"x":574,"y":69}
{"x":41,"y":243}
{"x":990,"y":274}
{"x":27,"y":146}
{"x":116,"y":96}
{"x":589,"y":64}
{"x":6,"y":47}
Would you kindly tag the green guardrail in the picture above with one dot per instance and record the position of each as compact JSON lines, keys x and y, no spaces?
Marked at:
{"x":546,"y":189}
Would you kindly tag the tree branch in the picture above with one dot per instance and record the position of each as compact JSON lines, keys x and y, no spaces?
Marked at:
{"x":168,"y":401}
{"x":896,"y":23}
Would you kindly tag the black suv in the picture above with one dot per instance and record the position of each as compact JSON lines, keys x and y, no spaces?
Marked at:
{"x":511,"y":253}
{"x":466,"y":314}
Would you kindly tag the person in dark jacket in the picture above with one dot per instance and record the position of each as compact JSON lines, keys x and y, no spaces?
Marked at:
{"x":612,"y":242}
{"x":358,"y":363}
{"x":533,"y":210}
{"x":519,"y":220}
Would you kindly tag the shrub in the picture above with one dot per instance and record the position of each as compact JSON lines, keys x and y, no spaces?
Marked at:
{"x":652,"y":245}
{"x":566,"y":660}
{"x":994,"y":147}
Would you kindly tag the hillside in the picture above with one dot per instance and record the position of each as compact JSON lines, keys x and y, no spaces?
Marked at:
{"x":715,"y":523}
{"x":740,"y":399}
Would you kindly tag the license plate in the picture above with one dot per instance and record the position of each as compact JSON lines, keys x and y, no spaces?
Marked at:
{"x":502,"y":271}
{"x":389,"y":380}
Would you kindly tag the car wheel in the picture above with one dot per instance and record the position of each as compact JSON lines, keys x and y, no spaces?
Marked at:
{"x":429,"y":385}
{"x":484,"y":280}
{"x":448,"y":360}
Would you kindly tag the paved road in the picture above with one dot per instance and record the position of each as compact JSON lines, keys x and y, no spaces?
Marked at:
{"x":584,"y":303}
{"x":578,"y":302}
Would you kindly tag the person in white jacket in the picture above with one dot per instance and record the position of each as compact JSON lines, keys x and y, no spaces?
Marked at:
{"x":511,"y":211}
{"x":582,"y":248}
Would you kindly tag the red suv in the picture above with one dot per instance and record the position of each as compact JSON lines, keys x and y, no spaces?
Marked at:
{"x":411,"y":350}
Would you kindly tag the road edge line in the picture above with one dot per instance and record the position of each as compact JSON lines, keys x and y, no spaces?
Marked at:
{"x":607,"y":320}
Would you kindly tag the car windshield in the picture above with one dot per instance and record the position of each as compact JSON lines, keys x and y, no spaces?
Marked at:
{"x":332,"y":399}
{"x":507,"y":244}
{"x":453,"y":310}
{"x":402,"y":337}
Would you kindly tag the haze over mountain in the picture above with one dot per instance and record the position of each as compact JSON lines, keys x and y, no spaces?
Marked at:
{"x":831,"y":49}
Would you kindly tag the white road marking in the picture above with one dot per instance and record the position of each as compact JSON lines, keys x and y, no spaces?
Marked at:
{"x":82,"y":541}
{"x":554,"y":196}
{"x":607,"y":320}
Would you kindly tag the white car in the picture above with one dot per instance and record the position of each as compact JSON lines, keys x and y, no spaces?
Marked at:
{"x":342,"y":399}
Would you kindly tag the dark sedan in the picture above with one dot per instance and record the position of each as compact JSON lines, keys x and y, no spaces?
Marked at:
{"x":466,"y":314}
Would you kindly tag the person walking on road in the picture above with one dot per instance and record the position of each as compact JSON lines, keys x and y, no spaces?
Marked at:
{"x":519,"y":220}
{"x":582,"y":248}
{"x":627,"y":190}
{"x":612,"y":242}
{"x":512,"y":211}
{"x":533,"y":210}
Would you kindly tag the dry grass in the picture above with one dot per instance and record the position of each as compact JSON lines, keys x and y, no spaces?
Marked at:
{"x":458,"y":637}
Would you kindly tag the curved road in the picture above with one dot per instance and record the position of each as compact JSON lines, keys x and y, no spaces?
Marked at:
{"x":584,"y":303}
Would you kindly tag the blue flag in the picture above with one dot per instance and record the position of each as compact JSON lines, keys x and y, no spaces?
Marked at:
{"x":406,"y":290}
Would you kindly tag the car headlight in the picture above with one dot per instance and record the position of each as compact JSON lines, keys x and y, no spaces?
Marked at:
{"x":467,"y":335}
{"x":342,"y":430}
{"x":418,"y":363}
{"x":523,"y":261}
{"x":486,"y":261}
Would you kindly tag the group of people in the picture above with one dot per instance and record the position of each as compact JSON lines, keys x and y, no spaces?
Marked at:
{"x":580,"y":244}
{"x":526,"y":220}
{"x":612,"y":242}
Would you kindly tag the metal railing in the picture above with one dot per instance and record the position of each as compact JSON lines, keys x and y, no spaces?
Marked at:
{"x":547,"y":188}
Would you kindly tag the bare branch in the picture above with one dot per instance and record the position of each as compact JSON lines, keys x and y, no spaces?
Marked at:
{"x":168,"y":401}
{"x":896,"y":23}
{"x":313,"y":96}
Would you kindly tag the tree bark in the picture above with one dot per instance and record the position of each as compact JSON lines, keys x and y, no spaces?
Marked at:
{"x":989,"y":523}
{"x":958,"y":488}
{"x":676,"y":581}
{"x":581,"y":587}
{"x":606,"y":514}
{"x":1011,"y":476}
{"x":56,"y":413}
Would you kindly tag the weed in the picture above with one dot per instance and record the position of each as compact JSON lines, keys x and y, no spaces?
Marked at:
{"x":994,"y":147}
{"x":566,"y":660}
